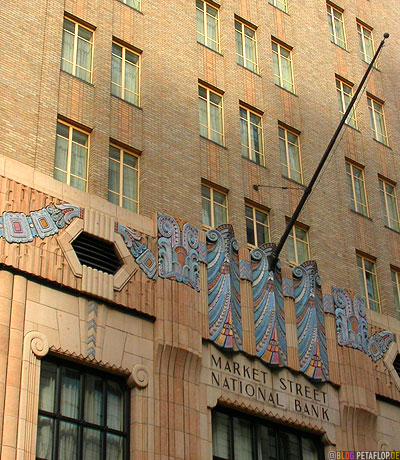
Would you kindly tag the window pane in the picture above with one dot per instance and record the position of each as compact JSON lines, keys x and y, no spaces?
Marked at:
{"x":44,"y":443}
{"x":78,"y":161}
{"x":91,"y":444}
{"x":60,"y":160}
{"x":68,"y":441}
{"x":115,"y":406}
{"x":78,"y":183}
{"x":219,"y":215}
{"x":70,"y":385}
{"x":242,"y":437}
{"x":262,"y":234}
{"x":310,"y":451}
{"x":205,"y":191}
{"x":48,"y":375}
{"x":220,"y":435}
{"x":219,"y":198}
{"x":62,"y":130}
{"x":206,"y":212}
{"x":93,"y":399}
{"x":266,"y":443}
{"x":130,"y":183}
{"x":130,"y":160}
{"x":289,"y":448}
{"x":250,"y":231}
{"x":114,"y":447}
{"x":79,"y":138}
{"x":116,"y":70}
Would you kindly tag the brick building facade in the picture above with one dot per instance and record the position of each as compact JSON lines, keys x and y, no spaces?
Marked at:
{"x":200,"y":351}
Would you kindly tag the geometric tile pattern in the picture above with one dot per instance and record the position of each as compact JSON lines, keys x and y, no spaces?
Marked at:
{"x":310,"y":321}
{"x":225,"y":321}
{"x":139,"y":251}
{"x":178,"y":251}
{"x":92,"y":329}
{"x":329,"y":306}
{"x":269,"y":314}
{"x":245,"y":269}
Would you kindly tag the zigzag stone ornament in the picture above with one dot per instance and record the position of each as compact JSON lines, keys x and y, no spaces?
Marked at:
{"x":224,"y":312}
{"x":179,"y":252}
{"x":310,"y":322}
{"x":269,"y":314}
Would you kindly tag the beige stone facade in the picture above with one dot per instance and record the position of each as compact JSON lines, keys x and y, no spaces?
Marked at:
{"x":149,"y":328}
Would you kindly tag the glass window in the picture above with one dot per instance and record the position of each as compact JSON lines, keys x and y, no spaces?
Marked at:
{"x":237,"y":437}
{"x":377,"y":119}
{"x":251,"y":136}
{"x":283,"y":68}
{"x":368,"y":282}
{"x":207,"y":25}
{"x":366,"y":42}
{"x":257,"y":226}
{"x":125,"y":74}
{"x":345,"y":94}
{"x":71,"y":156}
{"x":135,"y":4}
{"x":82,"y":414}
{"x":281,"y":4}
{"x":211,"y":115}
{"x":336,"y":26}
{"x":214,"y":207}
{"x":77,"y":49}
{"x":123,"y":179}
{"x":356,"y":183}
{"x":246,"y":46}
{"x":396,"y":290}
{"x":298,"y":245}
{"x":389,"y":204}
{"x":289,"y":146}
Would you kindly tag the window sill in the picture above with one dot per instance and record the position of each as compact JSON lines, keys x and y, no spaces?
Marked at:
{"x":77,"y":78}
{"x":246,"y":68}
{"x":287,"y":90}
{"x":392,"y":229}
{"x":254,"y":162}
{"x":131,"y":7}
{"x":352,"y":128}
{"x":295,"y":182}
{"x":127,"y":102}
{"x":381,"y":143}
{"x":362,"y":215}
{"x":214,"y":142}
{"x":368,"y":63}
{"x":341,"y":47}
{"x":209,"y":48}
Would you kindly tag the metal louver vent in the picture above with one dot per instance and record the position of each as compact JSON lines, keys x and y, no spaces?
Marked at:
{"x":96,"y":253}
{"x":396,"y":364}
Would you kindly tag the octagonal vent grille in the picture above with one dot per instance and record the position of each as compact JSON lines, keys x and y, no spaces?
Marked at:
{"x":96,"y":253}
{"x":396,"y":364}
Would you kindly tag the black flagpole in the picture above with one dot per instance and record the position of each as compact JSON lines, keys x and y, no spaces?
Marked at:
{"x":273,"y":257}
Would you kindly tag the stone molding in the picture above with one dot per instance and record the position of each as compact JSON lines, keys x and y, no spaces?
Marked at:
{"x":35,"y":347}
{"x":388,"y":360}
{"x":139,"y":377}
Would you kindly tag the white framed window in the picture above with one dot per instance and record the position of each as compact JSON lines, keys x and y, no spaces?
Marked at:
{"x":135,"y":4}
{"x":298,"y":245}
{"x":283,"y":66}
{"x":71,"y":155}
{"x":336,"y":26}
{"x":377,"y":120}
{"x":211,"y":115}
{"x":246,"y":45}
{"x":345,"y":94}
{"x":280,"y":4}
{"x":207,"y":20}
{"x":251,"y":135}
{"x":368,"y":281}
{"x":214,"y":207}
{"x":123,"y":178}
{"x":82,"y":413}
{"x":389,"y":204}
{"x":289,"y":145}
{"x":125,"y":73}
{"x":77,"y":50}
{"x":396,"y":289}
{"x":356,"y":184}
{"x":257,"y":226}
{"x":366,"y":42}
